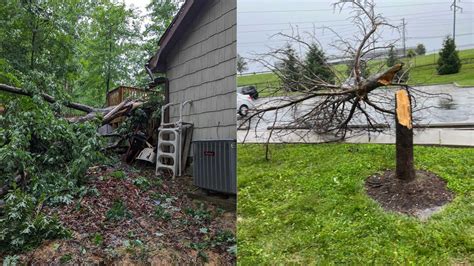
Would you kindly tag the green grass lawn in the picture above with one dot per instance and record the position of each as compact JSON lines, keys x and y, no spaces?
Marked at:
{"x":266,"y":83}
{"x":308,"y":205}
{"x":422,"y":73}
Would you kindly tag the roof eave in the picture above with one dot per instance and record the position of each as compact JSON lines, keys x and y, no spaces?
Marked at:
{"x":177,"y":27}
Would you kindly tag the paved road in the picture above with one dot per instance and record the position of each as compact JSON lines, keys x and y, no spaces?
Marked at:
{"x":441,"y":109}
{"x":458,"y":108}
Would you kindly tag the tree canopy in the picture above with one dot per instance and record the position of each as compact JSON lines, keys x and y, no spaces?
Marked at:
{"x":80,"y":49}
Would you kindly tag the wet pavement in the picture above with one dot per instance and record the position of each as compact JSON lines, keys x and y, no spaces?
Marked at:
{"x":434,"y":105}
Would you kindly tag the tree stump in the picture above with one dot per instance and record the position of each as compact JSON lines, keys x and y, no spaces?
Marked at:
{"x":405,"y":169}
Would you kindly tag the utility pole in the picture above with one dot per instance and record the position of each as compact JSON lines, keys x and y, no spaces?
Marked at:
{"x":299,"y":38}
{"x":404,"y":37}
{"x":455,"y":8}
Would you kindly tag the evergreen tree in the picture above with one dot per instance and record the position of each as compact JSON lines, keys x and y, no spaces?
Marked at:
{"x":448,"y":62}
{"x":290,"y":70}
{"x":420,"y":49}
{"x":392,"y":57}
{"x":241,"y":64}
{"x":316,"y":66}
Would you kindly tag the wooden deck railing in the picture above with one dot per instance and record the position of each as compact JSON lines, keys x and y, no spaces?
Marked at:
{"x":121,"y":93}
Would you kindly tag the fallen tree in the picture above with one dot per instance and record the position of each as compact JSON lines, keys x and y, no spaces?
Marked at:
{"x":108,"y":113}
{"x":336,"y":108}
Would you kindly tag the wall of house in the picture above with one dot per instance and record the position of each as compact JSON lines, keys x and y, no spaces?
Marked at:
{"x":202,"y":68}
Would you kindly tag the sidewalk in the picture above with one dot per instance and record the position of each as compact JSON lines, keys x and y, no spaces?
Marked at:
{"x":424,"y":136}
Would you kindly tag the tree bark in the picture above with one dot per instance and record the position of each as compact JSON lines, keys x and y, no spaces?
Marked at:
{"x":405,"y":169}
{"x":110,"y":113}
{"x":46,"y":97}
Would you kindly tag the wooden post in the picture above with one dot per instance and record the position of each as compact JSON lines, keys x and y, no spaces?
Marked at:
{"x":405,"y":169}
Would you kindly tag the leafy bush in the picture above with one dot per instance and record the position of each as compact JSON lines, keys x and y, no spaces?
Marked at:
{"x":411,"y":53}
{"x":22,"y":227}
{"x":52,"y":156}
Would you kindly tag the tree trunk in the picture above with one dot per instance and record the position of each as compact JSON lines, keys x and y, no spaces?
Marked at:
{"x":33,"y":43}
{"x":405,"y":169}
{"x":110,"y":113}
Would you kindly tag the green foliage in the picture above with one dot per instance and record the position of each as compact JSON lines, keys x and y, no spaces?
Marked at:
{"x":392,"y":57}
{"x":97,"y":239}
{"x":161,"y":15}
{"x":420,"y":49}
{"x":118,"y":211}
{"x":241,"y":64}
{"x":223,"y":238}
{"x":65,"y":258}
{"x":448,"y":62}
{"x":162,"y":213}
{"x":84,"y":48}
{"x":110,"y":42}
{"x":290,"y":70}
{"x":316,"y":66}
{"x":200,"y":215}
{"x":308,"y":210}
{"x":52,"y":155}
{"x":118,"y":174}
{"x":21,"y":227}
{"x":411,"y":53}
{"x":142,"y":183}
{"x":423,"y":71}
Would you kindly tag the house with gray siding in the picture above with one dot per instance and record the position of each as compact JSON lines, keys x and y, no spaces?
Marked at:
{"x":197,"y":54}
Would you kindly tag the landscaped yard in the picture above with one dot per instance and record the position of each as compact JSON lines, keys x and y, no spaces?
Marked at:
{"x":308,"y":204}
{"x":423,"y":73}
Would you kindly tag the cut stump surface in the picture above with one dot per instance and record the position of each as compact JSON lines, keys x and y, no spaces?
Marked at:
{"x":422,"y":197}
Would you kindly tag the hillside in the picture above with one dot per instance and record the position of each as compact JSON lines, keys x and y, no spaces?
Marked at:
{"x":423,"y":73}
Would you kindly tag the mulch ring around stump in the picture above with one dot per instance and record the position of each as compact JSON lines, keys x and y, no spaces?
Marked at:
{"x":421,"y":197}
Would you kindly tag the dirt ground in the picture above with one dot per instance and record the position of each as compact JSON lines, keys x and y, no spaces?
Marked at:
{"x":129,"y":216}
{"x":426,"y":194}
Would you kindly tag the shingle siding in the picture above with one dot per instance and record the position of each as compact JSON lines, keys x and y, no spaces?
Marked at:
{"x":202,"y":68}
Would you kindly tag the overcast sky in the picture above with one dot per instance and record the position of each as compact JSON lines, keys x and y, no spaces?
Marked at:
{"x":428,"y":22}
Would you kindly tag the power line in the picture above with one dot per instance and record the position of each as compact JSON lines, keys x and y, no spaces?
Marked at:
{"x":324,"y":39}
{"x":343,"y":26}
{"x":432,"y":15}
{"x":327,"y":9}
{"x":439,"y":36}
